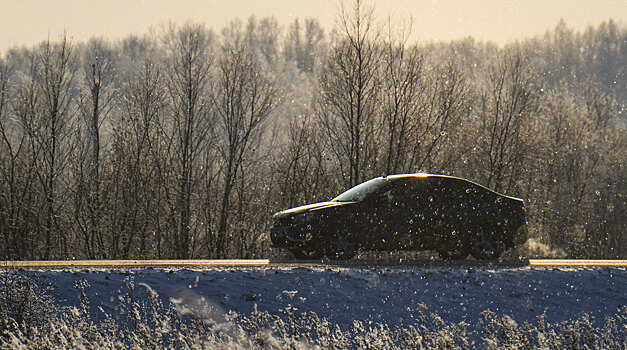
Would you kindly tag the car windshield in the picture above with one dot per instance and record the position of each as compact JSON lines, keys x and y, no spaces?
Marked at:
{"x":359,"y":192}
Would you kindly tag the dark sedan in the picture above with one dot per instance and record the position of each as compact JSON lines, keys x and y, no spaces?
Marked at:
{"x":454,"y":216}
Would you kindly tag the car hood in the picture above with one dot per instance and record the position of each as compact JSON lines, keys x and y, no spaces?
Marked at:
{"x":310,"y":207}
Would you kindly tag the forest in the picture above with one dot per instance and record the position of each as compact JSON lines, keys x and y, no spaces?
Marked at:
{"x":182,"y":142}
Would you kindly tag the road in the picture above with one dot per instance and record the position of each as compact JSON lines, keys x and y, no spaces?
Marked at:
{"x":287,"y":263}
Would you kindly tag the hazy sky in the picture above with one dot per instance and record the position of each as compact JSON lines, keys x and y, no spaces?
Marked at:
{"x":26,"y":22}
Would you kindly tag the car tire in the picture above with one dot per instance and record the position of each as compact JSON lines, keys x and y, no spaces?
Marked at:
{"x":340,"y":246}
{"x":486,"y":244}
{"x":303,"y":254}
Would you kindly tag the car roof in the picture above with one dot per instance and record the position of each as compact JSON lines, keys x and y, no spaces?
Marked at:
{"x":425,"y":175}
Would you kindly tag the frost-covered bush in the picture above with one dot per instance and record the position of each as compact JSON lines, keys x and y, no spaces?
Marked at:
{"x":582,"y":333}
{"x":142,"y":321}
{"x":429,"y":332}
{"x":23,"y":304}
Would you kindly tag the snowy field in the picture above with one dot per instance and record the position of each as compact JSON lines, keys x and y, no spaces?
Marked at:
{"x":459,"y":299}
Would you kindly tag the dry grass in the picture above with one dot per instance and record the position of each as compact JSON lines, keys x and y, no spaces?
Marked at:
{"x":32,"y":320}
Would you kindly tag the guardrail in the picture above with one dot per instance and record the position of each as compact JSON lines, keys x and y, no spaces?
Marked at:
{"x":199,"y":263}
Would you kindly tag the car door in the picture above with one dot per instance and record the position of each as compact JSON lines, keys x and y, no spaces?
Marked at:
{"x":367,"y":218}
{"x":451,"y":204}
{"x":454,"y":213}
{"x":382,"y":214}
{"x":398,"y":219}
{"x":422,"y":204}
{"x":404,"y":212}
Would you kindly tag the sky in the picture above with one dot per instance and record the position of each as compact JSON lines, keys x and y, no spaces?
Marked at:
{"x":27,"y":22}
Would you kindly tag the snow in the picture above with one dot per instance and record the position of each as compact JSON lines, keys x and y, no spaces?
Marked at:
{"x":391,"y":296}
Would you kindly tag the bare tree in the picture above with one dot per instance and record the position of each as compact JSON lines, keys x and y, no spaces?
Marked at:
{"x":187,"y":80}
{"x":96,"y":99}
{"x":577,"y":192}
{"x":57,"y":67}
{"x":301,"y":170}
{"x":262,"y":38}
{"x":610,"y":206}
{"x":6,"y":155}
{"x":304,"y":48}
{"x":5,"y":82}
{"x":139,"y":170}
{"x":349,"y":87}
{"x":440,"y":132}
{"x":243,"y":98}
{"x":11,"y":146}
{"x":20,"y":130}
{"x":403,"y":82}
{"x":508,"y":104}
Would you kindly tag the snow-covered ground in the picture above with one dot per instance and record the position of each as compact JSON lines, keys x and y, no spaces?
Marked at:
{"x":392,"y":296}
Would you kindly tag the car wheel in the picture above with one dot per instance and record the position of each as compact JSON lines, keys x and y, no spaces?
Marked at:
{"x":304,"y":254}
{"x":486,"y":244}
{"x":341,"y":246}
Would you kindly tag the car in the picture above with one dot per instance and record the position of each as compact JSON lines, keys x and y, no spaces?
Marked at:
{"x":454,"y":216}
